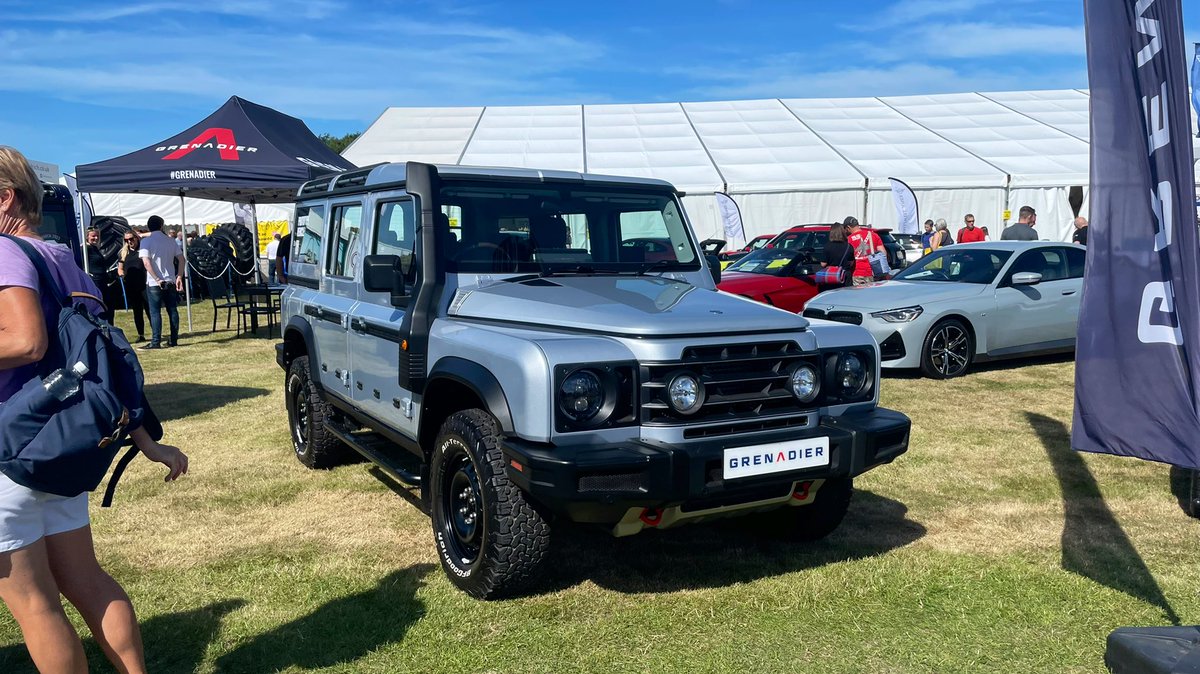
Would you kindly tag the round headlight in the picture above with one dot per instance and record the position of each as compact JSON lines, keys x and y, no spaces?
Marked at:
{"x":805,"y":383}
{"x":851,"y":374}
{"x":581,"y":395}
{"x":684,"y":394}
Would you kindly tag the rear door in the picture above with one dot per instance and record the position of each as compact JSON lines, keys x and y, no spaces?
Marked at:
{"x":374,"y":337}
{"x":330,"y":317}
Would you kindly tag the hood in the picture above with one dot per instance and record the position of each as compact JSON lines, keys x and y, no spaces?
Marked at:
{"x":619,"y":305}
{"x":896,"y":294}
{"x":744,"y":283}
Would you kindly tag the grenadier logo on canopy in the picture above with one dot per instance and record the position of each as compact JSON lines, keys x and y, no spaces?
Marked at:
{"x":220,"y":139}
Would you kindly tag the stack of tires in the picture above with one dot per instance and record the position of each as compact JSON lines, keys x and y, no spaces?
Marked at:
{"x":112,"y":237}
{"x":242,"y":245}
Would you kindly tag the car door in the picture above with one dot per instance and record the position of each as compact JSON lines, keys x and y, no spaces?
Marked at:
{"x":1072,"y":290}
{"x":1030,"y":317}
{"x":374,"y":336}
{"x":339,"y":294}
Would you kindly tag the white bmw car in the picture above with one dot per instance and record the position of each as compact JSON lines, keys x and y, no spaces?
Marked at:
{"x":967,"y":303}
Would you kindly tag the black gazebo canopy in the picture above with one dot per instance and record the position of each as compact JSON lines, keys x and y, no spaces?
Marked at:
{"x":243,"y":152}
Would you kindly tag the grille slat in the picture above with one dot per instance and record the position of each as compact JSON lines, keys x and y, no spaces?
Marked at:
{"x":742,"y":382}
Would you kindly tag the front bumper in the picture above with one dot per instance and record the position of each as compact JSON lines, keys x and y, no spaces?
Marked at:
{"x":603,"y":483}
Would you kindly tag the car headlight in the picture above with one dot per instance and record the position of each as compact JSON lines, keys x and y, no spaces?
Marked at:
{"x":581,"y":396}
{"x":851,"y":375}
{"x":805,"y":383}
{"x":685,"y":394}
{"x":903,"y":315}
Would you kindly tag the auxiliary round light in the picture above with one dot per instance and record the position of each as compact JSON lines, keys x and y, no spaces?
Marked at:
{"x":581,"y":395}
{"x":685,"y":395}
{"x":851,"y":374}
{"x":805,"y":383}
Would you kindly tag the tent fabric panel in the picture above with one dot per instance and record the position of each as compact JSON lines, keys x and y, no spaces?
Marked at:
{"x":771,"y":213}
{"x":1016,"y":144}
{"x":137,"y":208}
{"x":985,"y":203}
{"x":882,"y":143}
{"x":1066,"y":110}
{"x":650,"y":140}
{"x":433,"y":135}
{"x":547,"y":137}
{"x":759,"y":145}
{"x":1055,"y":219}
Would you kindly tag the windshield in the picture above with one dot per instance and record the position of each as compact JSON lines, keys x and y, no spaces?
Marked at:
{"x":563,"y":228}
{"x":771,"y":261}
{"x":54,"y":226}
{"x":957,"y":266}
{"x":807,"y":240}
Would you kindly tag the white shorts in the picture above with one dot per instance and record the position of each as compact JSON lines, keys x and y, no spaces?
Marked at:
{"x":27,"y":515}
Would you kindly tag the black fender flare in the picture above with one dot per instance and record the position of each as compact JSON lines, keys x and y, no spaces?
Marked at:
{"x":298,"y":324}
{"x":477,"y":378}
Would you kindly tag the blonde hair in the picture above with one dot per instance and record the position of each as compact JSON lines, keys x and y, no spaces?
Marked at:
{"x":17,"y":175}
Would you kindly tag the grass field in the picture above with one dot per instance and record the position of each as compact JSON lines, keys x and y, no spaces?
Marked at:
{"x":989,"y":547}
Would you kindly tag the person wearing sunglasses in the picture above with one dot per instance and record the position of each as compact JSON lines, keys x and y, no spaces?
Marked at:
{"x":133,"y":274}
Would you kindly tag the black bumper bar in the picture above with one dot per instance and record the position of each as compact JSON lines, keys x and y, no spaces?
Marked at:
{"x":600,"y":483}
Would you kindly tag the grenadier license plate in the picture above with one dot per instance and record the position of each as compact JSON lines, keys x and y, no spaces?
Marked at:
{"x":776,"y":457}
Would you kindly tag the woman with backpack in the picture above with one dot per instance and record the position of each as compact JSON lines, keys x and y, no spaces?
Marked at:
{"x":46,"y":540}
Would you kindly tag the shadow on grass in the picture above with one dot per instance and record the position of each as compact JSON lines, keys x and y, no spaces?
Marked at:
{"x":1093,"y":543}
{"x":175,"y":642}
{"x":177,"y":400}
{"x":722,"y":553}
{"x":339,"y":632}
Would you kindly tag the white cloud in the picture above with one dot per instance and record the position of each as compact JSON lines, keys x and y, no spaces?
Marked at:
{"x":266,"y":9}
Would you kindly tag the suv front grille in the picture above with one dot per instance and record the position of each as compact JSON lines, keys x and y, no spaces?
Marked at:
{"x":741,"y":382}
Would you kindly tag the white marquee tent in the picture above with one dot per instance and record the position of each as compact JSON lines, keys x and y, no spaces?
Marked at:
{"x":785,"y":161}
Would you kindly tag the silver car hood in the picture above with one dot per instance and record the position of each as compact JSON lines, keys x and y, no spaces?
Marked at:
{"x":896,"y":294}
{"x":619,"y":305}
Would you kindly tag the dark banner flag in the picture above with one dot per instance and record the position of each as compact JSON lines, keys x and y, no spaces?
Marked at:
{"x":1138,"y":360}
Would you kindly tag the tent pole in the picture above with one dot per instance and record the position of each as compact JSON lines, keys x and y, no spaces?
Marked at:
{"x":187,"y":277}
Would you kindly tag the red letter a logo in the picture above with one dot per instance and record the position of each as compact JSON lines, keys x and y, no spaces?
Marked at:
{"x":225,"y":144}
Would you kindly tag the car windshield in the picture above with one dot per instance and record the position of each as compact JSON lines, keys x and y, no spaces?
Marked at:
{"x":562,"y":228}
{"x":812,"y":241}
{"x":771,"y":261}
{"x":957,"y":265}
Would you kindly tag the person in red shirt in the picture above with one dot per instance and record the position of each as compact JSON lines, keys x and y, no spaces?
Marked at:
{"x":970,"y":233}
{"x":863,"y":242}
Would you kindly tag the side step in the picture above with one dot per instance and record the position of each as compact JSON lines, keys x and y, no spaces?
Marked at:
{"x":376,"y":450}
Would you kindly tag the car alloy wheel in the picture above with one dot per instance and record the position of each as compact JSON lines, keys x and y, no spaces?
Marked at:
{"x":950,"y":350}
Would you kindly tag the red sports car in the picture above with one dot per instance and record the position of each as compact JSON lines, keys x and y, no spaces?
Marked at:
{"x":781,"y":277}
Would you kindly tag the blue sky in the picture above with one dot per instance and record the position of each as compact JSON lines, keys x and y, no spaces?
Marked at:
{"x":90,"y":80}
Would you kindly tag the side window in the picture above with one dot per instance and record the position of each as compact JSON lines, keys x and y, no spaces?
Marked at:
{"x":395,"y":234}
{"x":1075,"y":262}
{"x":306,"y":234}
{"x":343,"y":241}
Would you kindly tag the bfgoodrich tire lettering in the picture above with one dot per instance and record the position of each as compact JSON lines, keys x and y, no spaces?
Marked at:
{"x":314,"y":445}
{"x":490,"y":537}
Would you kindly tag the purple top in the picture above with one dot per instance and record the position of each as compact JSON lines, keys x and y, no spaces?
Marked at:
{"x":16,"y":270}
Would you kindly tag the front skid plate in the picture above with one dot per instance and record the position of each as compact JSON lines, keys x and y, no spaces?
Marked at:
{"x":637,"y":519}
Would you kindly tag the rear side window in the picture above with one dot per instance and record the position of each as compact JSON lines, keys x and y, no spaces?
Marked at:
{"x":344,"y":240}
{"x":1075,"y":262}
{"x":395,"y":234}
{"x":307,"y":230}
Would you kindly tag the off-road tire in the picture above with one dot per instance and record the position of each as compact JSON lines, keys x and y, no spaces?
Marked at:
{"x":497,"y":552}
{"x":208,"y":259}
{"x":307,"y":410}
{"x":933,"y":350}
{"x":818,"y":519}
{"x":242,"y":244}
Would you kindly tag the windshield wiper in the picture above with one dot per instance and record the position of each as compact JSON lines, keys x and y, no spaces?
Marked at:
{"x":653,"y":266}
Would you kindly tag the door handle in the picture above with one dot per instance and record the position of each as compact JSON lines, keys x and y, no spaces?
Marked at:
{"x":1068,"y":292}
{"x":358,"y":325}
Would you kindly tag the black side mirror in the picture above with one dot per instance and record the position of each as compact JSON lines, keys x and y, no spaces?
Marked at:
{"x":381,"y":274}
{"x":714,"y":267}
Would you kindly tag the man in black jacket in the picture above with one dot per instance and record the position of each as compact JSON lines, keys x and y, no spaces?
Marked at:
{"x":1080,"y":235}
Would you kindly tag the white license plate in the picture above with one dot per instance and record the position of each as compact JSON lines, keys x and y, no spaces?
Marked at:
{"x":776,"y":457}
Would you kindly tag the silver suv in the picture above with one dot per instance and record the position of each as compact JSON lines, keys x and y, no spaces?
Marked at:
{"x":537,"y":347}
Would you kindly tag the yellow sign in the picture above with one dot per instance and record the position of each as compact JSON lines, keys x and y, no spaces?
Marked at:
{"x":267,"y":230}
{"x":1007,"y":214}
